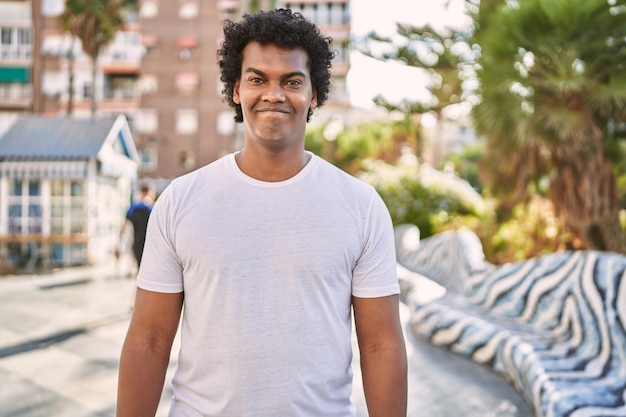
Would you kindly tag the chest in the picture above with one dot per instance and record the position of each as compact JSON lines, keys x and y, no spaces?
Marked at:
{"x":264,"y":231}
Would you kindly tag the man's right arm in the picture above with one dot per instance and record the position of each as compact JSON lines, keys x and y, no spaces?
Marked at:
{"x":146,"y":352}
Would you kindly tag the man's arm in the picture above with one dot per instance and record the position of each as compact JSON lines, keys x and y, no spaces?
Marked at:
{"x":383,"y":355}
{"x":122,"y":240}
{"x":146,"y":352}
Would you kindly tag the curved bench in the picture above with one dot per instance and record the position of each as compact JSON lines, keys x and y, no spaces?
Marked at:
{"x":554,"y":326}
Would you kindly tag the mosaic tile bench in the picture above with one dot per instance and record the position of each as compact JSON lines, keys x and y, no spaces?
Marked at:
{"x":553,"y":326}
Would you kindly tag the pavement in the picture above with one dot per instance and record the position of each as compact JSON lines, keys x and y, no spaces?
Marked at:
{"x":61,"y":335}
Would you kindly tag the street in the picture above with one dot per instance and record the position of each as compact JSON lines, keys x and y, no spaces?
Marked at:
{"x":61,"y":335}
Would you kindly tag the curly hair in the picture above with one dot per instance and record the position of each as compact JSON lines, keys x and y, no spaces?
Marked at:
{"x":284,"y":29}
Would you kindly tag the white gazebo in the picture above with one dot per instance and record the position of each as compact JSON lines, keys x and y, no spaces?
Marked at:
{"x":64,"y":187}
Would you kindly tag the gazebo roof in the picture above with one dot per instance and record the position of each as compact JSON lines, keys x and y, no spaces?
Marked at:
{"x":36,"y":138}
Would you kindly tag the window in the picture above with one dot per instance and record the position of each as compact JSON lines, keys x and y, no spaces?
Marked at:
{"x":149,"y":156}
{"x":77,"y":213}
{"x":338,"y":13}
{"x":33,"y":188}
{"x":147,"y":121}
{"x":67,"y":207}
{"x":187,"y":161}
{"x":188,"y":9}
{"x":186,"y":46}
{"x":187,"y":82}
{"x":52,"y":7}
{"x":150,"y":42}
{"x":6,"y":35}
{"x":57,"y":206}
{"x":148,"y":84}
{"x":24,"y":36}
{"x":120,"y":86}
{"x":187,"y":121}
{"x":15,"y":91}
{"x":15,"y":218}
{"x":225,"y":123}
{"x":16,"y":188}
{"x":148,"y":9}
{"x":15,"y":43}
{"x":227,"y":8}
{"x":76,"y":189}
{"x":25,"y":208}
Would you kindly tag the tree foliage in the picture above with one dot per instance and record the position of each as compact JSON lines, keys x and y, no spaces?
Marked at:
{"x":553,"y":89}
{"x":95,"y":23}
{"x":442,"y":53}
{"x":354,"y":144}
{"x":419,"y":195}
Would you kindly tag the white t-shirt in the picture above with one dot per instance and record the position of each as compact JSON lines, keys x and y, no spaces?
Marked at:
{"x":268,"y":270}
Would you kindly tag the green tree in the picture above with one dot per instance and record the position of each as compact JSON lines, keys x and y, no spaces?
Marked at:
{"x":553,"y":85}
{"x":95,"y":23}
{"x":443,"y":53}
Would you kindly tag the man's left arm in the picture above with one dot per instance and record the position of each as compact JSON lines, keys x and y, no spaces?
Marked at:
{"x":383,"y":355}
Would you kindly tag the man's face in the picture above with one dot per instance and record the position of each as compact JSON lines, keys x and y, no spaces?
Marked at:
{"x":275,"y":94}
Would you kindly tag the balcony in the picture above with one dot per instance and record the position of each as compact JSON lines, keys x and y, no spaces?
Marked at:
{"x":121,"y":93}
{"x":15,"y":95}
{"x":121,"y":59}
{"x":21,"y":54}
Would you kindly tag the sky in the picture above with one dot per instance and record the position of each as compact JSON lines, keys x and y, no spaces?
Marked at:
{"x":368,"y":77}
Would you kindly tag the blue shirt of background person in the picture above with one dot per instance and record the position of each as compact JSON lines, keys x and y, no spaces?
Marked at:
{"x":137,"y":216}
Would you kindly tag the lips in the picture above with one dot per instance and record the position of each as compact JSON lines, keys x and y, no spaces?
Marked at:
{"x":272,"y":110}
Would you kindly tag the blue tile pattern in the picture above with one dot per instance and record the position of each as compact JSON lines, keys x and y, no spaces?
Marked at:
{"x":553,"y":326}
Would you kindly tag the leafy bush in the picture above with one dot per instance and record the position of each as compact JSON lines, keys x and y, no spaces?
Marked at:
{"x":375,"y":140}
{"x":532,"y":230}
{"x":416,"y":194}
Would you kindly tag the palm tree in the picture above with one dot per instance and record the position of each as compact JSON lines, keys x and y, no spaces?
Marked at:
{"x":95,"y":23}
{"x":553,"y":78}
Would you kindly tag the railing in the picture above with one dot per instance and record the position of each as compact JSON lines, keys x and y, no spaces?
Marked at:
{"x":16,"y":52}
{"x":15,"y":91}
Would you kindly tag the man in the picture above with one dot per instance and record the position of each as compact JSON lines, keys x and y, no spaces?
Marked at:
{"x":137,"y":218}
{"x":269,"y":249}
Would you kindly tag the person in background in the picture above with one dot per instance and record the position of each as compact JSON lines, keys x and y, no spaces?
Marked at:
{"x":137,"y":219}
{"x":270,"y":250}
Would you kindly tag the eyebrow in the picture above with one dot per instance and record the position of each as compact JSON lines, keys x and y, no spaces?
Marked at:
{"x":285,"y":76}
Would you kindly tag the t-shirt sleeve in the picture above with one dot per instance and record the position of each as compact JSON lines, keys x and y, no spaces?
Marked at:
{"x":129,"y":212}
{"x":375,"y":274}
{"x":160,"y":269}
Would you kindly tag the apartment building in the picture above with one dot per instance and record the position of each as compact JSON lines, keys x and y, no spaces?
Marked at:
{"x":16,"y":61}
{"x":160,"y":72}
{"x":182,"y":122}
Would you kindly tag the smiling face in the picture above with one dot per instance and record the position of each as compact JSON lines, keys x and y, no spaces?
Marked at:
{"x":275,"y":94}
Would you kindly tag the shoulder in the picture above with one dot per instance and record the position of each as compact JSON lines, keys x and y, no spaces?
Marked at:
{"x":343,"y":181}
{"x":195,"y":185}
{"x":204,"y":176}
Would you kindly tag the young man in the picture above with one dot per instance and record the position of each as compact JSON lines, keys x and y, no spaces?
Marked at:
{"x":269,"y":250}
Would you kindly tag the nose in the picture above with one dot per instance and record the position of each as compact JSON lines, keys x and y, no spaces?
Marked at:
{"x":273,"y":93}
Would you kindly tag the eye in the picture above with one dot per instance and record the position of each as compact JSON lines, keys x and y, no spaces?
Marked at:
{"x":294,"y":83}
{"x":255,"y":80}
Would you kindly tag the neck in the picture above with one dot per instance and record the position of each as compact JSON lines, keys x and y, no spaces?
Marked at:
{"x":269,"y":166}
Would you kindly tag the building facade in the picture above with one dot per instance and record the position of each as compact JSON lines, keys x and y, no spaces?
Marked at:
{"x":182,"y":122}
{"x":16,"y":61}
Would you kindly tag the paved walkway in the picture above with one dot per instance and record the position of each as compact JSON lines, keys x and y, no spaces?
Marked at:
{"x":61,"y":334}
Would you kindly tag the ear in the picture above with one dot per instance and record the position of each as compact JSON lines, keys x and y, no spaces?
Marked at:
{"x":314,"y":99}
{"x":236,"y":92}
